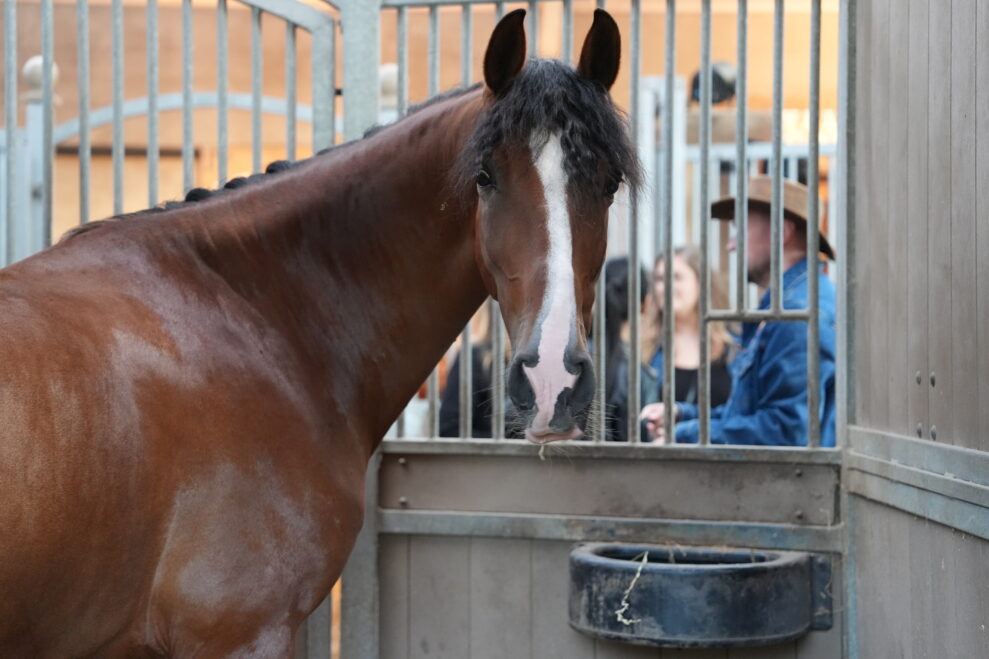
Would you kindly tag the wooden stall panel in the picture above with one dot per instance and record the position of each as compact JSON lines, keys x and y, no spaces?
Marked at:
{"x":501,"y":598}
{"x":861,"y":303}
{"x":964,"y":305}
{"x":939,"y":219}
{"x":439,"y":598}
{"x":981,"y":359}
{"x":923,"y":588}
{"x":393,"y":571}
{"x":552,"y":636}
{"x":799,"y":494}
{"x":916,"y":218}
{"x":899,"y":377}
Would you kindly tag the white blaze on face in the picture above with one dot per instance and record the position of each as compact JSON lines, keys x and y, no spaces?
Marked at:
{"x":556,"y":316}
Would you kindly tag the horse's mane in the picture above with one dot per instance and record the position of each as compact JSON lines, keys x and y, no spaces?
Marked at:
{"x":548,"y":96}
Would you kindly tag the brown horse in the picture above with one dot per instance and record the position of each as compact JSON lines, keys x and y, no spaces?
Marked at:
{"x":189,"y":398}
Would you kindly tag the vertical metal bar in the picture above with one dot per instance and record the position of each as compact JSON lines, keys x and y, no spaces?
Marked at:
{"x":466,"y":350}
{"x":813,"y":239}
{"x":466,"y":43}
{"x":499,"y":10}
{"x":599,"y":323}
{"x":434,"y":50}
{"x":10,"y":123}
{"x":497,"y":373}
{"x":324,"y":81}
{"x":741,"y":159}
{"x":257,"y":83}
{"x":291,"y":91}
{"x":669,"y":375}
{"x":82,"y":73}
{"x":704,"y":372}
{"x":434,"y":84}
{"x":117,"y":149}
{"x":403,"y":60}
{"x":222,"y":85}
{"x":152,"y":74}
{"x":187,"y":139}
{"x":533,"y":20}
{"x":568,"y":31}
{"x":776,"y":207}
{"x":634,"y":271}
{"x":600,"y":4}
{"x":48,"y":118}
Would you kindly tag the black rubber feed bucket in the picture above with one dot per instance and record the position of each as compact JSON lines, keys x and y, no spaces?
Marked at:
{"x":697,"y":597}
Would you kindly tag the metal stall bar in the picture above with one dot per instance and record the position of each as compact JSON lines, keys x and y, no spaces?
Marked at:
{"x":152,"y":73}
{"x":599,"y":325}
{"x":433,"y":386}
{"x":324,"y":83}
{"x":533,"y":19}
{"x":10,"y":127}
{"x":704,"y":372}
{"x":497,"y":373}
{"x":499,"y":10}
{"x":257,"y":82}
{"x":403,"y":103}
{"x":776,"y":209}
{"x":222,"y":84}
{"x":187,"y":137}
{"x":813,"y":239}
{"x":466,"y":350}
{"x":48,"y":119}
{"x":403,"y":60}
{"x":117,"y":149}
{"x":291,"y":91}
{"x":669,"y":375}
{"x":634,"y":279}
{"x":82,"y":73}
{"x":741,"y":170}
{"x":568,"y":31}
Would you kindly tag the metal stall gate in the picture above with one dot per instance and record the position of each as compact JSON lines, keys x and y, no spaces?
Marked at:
{"x":465,"y":545}
{"x":917,"y":463}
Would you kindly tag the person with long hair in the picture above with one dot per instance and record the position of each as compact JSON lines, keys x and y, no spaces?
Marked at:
{"x":687,"y":327}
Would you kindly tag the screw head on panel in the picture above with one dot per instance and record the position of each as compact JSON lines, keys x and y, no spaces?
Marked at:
{"x":920,"y":430}
{"x":402,"y":461}
{"x":934,"y":433}
{"x":919,"y":377}
{"x":403,"y":501}
{"x":933,"y":378}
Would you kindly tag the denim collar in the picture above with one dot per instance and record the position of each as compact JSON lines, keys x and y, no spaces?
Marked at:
{"x":794,"y":276}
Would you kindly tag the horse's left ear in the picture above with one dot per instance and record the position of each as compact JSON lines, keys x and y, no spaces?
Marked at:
{"x":602,"y":51}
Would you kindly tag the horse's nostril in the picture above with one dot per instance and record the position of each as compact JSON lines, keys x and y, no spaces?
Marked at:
{"x":583,"y":388}
{"x":519,"y":387}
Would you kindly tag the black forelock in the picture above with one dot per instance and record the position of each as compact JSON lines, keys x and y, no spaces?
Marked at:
{"x":547,"y":97}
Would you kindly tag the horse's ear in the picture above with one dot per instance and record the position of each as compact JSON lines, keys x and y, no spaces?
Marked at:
{"x":602,"y":51}
{"x":506,"y":51}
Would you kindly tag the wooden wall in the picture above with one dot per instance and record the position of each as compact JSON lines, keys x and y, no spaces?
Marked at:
{"x":920,"y":308}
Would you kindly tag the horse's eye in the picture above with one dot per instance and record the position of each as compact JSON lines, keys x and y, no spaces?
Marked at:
{"x":612,"y":186}
{"x":483,"y":179}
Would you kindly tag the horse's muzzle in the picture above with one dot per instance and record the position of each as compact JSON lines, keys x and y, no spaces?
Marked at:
{"x":549,"y":404}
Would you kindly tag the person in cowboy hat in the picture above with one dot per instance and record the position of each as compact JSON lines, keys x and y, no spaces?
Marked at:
{"x":768,"y":402}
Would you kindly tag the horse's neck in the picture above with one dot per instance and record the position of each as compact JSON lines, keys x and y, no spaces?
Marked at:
{"x":379,"y":258}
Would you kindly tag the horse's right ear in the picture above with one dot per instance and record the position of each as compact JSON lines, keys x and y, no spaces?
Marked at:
{"x":505,"y":55}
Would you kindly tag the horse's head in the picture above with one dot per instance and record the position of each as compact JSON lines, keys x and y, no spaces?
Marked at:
{"x":549,"y":152}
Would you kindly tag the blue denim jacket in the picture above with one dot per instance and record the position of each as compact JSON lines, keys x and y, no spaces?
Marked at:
{"x":768,"y":403}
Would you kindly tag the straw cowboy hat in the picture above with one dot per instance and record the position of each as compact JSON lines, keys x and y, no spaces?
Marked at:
{"x":760,"y":196}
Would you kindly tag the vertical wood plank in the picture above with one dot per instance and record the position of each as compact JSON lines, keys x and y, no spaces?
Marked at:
{"x":922,"y":619}
{"x":967,"y":629}
{"x":943,"y":601}
{"x":898,"y":590}
{"x":393,"y":571}
{"x":939,"y":218}
{"x":899,"y":378}
{"x":828,"y":644}
{"x":917,"y":174}
{"x":439,"y":588}
{"x":982,"y":227}
{"x":500,"y":598}
{"x":863,"y":293}
{"x":879,"y":216}
{"x":786,"y":651}
{"x":964,"y":342}
{"x":610,"y":650}
{"x":552,"y":636}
